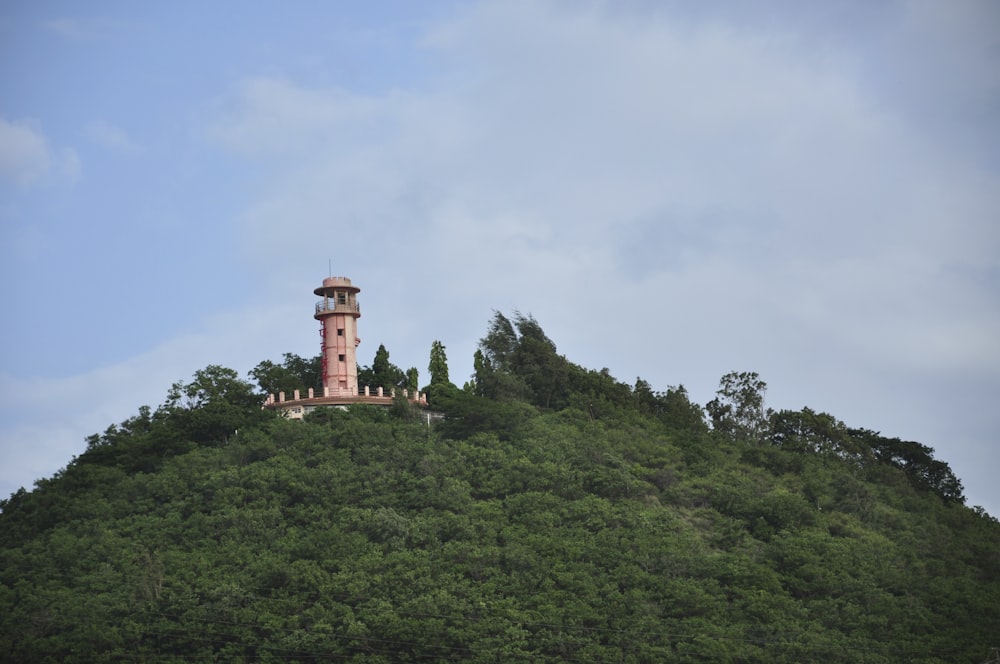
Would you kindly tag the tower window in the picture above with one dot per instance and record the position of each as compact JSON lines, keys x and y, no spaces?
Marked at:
{"x":342,"y":298}
{"x":340,"y":331}
{"x":342,"y":357}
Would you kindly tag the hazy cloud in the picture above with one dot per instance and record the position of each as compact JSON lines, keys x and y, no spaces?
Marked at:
{"x":577,"y":136}
{"x":84,"y":29}
{"x":26,"y":155}
{"x":268,"y":116}
{"x":110,"y":137}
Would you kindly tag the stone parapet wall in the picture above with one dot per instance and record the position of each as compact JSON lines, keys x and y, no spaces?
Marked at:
{"x":298,"y":404}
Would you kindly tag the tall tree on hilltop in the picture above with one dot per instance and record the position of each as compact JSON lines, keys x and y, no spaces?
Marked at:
{"x":438,"y":366}
{"x":537,"y":363}
{"x":499,"y":343}
{"x":309,"y":371}
{"x":493,"y":361}
{"x":214,"y":405}
{"x":738,"y":409}
{"x":293,"y":373}
{"x":382,"y":372}
{"x":381,"y":364}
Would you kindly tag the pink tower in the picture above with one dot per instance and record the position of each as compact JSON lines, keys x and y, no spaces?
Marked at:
{"x":338,"y":313}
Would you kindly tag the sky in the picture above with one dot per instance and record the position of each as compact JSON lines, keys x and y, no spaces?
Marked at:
{"x":674,"y":190}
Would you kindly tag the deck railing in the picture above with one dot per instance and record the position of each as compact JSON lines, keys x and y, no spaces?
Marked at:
{"x":331,"y":306}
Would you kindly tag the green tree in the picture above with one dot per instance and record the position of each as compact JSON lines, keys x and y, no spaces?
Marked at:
{"x":481,"y":372}
{"x":211,"y":385}
{"x":493,"y":382}
{"x":214,"y":405}
{"x":672,"y":407}
{"x":382,"y":367}
{"x":294,"y":373}
{"x":518,"y":361}
{"x":737,"y":411}
{"x":382,"y":372}
{"x":438,"y":366}
{"x":807,"y":430}
{"x":412,"y":379}
{"x":917,"y":463}
{"x":535,"y":361}
{"x":499,"y":343}
{"x":677,"y":411}
{"x":308,"y":370}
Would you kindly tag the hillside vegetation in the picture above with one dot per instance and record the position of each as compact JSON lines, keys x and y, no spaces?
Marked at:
{"x":554,"y":515}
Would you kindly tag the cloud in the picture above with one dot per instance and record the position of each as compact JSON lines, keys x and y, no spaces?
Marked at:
{"x":111,"y":138}
{"x":287,"y":119}
{"x":595,"y":134}
{"x":24,"y":153}
{"x":79,"y":29}
{"x":26,"y":156}
{"x":944,"y":62}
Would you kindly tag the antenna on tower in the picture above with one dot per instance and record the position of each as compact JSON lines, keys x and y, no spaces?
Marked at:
{"x":329,"y":266}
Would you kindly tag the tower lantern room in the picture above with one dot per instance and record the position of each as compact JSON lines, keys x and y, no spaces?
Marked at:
{"x":338,"y":313}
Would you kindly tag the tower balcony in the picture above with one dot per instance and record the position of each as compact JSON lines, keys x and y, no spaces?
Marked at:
{"x":334,"y":307}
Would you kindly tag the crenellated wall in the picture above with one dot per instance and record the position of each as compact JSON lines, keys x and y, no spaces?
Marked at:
{"x":297,"y":406}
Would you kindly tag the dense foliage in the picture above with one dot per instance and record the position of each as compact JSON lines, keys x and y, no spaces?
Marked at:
{"x":383,"y":373}
{"x":555,"y":514}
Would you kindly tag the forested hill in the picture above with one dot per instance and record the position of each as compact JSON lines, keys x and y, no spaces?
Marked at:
{"x":555,"y":515}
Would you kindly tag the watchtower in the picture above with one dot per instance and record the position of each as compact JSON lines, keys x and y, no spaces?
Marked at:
{"x":338,"y":313}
